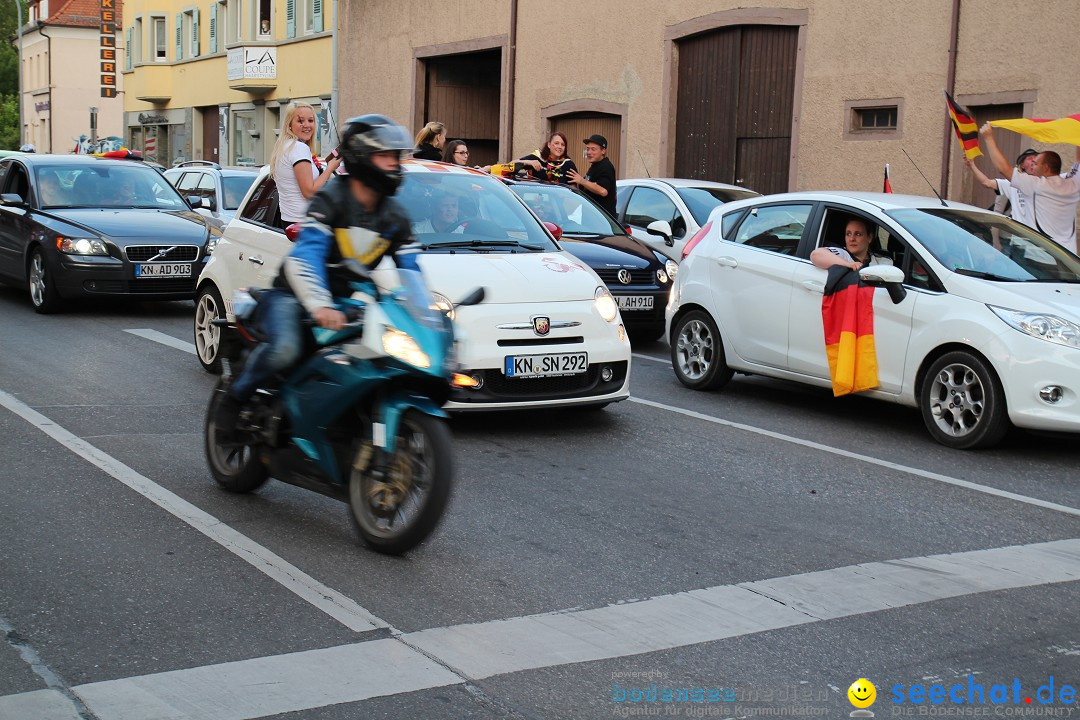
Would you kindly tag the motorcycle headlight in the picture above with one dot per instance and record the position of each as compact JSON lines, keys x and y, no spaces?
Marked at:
{"x":400,"y":345}
{"x":672,"y":268}
{"x":605,"y":304}
{"x":81,"y":246}
{"x":1044,"y":326}
{"x":442,"y":304}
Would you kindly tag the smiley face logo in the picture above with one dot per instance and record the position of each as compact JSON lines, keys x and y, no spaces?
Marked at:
{"x":862,"y":693}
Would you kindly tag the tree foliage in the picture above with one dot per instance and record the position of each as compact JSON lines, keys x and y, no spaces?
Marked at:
{"x":9,"y":122}
{"x":9,"y":72}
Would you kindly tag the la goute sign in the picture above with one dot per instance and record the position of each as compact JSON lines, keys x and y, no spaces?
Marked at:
{"x":252,"y":63}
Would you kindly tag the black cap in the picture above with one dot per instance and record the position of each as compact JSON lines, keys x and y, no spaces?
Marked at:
{"x":598,"y":139}
{"x":1021,"y":156}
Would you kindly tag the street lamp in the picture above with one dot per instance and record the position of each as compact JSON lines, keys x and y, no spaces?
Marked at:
{"x":22,"y":138}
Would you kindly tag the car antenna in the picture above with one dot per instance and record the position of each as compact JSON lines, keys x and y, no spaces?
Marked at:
{"x":643,"y":164}
{"x":924,"y":178}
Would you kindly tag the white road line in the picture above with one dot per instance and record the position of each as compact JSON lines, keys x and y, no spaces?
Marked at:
{"x":39,"y":705}
{"x":164,"y":339}
{"x":324,"y":598}
{"x":664,"y":360}
{"x":445,"y":656}
{"x":929,"y":475}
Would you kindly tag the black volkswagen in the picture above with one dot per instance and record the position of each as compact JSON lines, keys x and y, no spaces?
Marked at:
{"x":74,"y":226}
{"x":638,"y":276}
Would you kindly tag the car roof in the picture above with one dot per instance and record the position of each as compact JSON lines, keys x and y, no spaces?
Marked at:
{"x":414,"y":165}
{"x":683,"y":182}
{"x":881,"y":201}
{"x":51,"y":159}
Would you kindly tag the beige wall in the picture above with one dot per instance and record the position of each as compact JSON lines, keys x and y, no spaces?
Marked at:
{"x":613,"y":51}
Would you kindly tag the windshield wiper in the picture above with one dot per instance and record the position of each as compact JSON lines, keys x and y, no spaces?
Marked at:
{"x":482,"y":244}
{"x":582,"y":234}
{"x":984,"y":275}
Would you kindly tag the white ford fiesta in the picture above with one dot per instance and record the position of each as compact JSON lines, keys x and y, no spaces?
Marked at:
{"x":548,"y":333}
{"x":977,"y":323}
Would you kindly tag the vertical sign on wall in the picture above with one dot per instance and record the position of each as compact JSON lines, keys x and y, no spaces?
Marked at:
{"x":108,"y":49}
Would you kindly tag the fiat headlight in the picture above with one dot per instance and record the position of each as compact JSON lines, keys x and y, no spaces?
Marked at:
{"x":605,"y":304}
{"x":1044,"y":326}
{"x":81,"y":246}
{"x":401,"y":345}
{"x":442,"y":304}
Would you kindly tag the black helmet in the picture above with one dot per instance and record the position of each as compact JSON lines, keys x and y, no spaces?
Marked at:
{"x":369,"y":134}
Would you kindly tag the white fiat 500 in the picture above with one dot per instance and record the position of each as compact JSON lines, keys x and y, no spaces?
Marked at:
{"x":547,"y":334}
{"x":977,"y":323}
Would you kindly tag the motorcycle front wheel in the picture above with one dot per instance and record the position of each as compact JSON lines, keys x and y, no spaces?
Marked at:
{"x":234,"y":463}
{"x":396,"y":510}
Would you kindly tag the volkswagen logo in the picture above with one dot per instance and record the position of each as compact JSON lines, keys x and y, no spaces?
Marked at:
{"x":624,"y":276}
{"x":541,"y":325}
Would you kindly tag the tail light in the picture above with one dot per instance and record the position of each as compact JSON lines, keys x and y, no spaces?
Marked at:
{"x":693,"y":241}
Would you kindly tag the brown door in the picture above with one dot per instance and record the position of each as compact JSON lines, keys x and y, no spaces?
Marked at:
{"x":735,"y":106}
{"x":462,"y":92}
{"x":1010,"y":143}
{"x":579,"y":126}
{"x":210,"y":133}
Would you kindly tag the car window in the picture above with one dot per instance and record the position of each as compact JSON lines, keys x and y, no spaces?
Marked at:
{"x":262,"y":208}
{"x":207,"y":182}
{"x":703,"y":201}
{"x":575,"y":214}
{"x":776,"y":228}
{"x":3,"y":171}
{"x":234,"y":187}
{"x":884,"y":242}
{"x":648,"y":205}
{"x":729,"y":221}
{"x":54,"y":189}
{"x":18,"y":182}
{"x":189,"y":181}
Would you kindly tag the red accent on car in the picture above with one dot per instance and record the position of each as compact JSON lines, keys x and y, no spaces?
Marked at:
{"x":692,"y":242}
{"x":554,"y":229}
{"x":292,"y":231}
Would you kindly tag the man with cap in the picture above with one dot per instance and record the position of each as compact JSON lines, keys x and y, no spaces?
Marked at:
{"x":599,"y":183}
{"x":1008,"y":197}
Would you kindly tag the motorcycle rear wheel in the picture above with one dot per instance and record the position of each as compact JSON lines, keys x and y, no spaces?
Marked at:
{"x":397,"y":512}
{"x":236,"y":466}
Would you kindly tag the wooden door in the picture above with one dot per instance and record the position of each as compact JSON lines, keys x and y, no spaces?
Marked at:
{"x":1009,"y":142}
{"x":579,"y":126}
{"x":463,"y":93}
{"x":210,"y":124}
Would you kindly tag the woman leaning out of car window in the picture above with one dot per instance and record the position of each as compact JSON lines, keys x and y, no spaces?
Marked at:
{"x":293,"y":163}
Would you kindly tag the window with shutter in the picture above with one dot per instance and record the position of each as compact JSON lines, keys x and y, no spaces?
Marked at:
{"x":317,"y":9}
{"x":128,"y":34}
{"x":179,"y":37}
{"x":195,"y":32}
{"x":213,"y":28}
{"x":290,"y":18}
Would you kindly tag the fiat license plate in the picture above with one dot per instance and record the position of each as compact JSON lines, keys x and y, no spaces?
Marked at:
{"x":163,"y":270}
{"x":634,"y":302}
{"x":551,"y":365}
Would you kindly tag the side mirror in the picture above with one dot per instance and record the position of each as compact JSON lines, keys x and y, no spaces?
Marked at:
{"x":196,"y":202}
{"x":889,"y":277}
{"x":292,"y":231}
{"x":663,"y":229}
{"x":210,"y":203}
{"x":554,"y":230}
{"x":474,"y":298}
{"x":12,"y":199}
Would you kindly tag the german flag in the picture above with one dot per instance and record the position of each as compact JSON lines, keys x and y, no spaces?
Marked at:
{"x":847,"y":312}
{"x":1062,"y":130}
{"x":887,"y":186}
{"x":967,"y":132}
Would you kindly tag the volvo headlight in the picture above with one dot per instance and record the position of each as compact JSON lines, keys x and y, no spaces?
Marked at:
{"x":442,"y":304}
{"x":672,"y":269}
{"x":81,"y":246}
{"x":1042,"y":325}
{"x":605,"y":304}
{"x":401,"y":345}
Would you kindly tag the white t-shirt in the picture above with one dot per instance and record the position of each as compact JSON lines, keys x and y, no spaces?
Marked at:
{"x":1019,"y":202}
{"x":291,"y":201}
{"x":844,"y":255}
{"x":1053,"y":203}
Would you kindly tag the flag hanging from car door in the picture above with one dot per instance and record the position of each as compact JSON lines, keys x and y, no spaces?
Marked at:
{"x":847,"y":312}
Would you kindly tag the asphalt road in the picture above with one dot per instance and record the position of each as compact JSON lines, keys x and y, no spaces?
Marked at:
{"x":757,"y":549}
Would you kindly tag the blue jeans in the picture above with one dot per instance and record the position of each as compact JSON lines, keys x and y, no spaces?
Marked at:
{"x":279,"y":316}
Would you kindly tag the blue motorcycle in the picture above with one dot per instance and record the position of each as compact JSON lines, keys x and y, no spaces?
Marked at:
{"x":360,"y":419}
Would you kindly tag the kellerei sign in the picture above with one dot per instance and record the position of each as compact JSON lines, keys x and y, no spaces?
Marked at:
{"x":108,"y":49}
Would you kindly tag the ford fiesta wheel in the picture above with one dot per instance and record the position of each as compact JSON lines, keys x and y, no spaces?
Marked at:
{"x":962,"y":402}
{"x":697,"y":353}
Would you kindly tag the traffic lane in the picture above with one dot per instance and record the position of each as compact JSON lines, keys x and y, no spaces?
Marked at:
{"x":103,"y":584}
{"x":1025,"y":634}
{"x":1037,"y":464}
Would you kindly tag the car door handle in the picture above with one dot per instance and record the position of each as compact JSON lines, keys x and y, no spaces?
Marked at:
{"x":814,"y":287}
{"x":255,"y":259}
{"x":727,"y":261}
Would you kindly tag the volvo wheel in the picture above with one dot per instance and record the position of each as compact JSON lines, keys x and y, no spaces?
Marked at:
{"x":43,"y":293}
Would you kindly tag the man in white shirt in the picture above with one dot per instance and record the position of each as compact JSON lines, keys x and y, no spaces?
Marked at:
{"x":1019,"y":203}
{"x":1053,"y":198}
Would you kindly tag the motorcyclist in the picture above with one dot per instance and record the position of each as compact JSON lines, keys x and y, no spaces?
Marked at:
{"x":352,"y":216}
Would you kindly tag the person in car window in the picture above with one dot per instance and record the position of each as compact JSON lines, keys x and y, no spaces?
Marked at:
{"x":444,"y":217}
{"x":125,"y":190}
{"x":857,"y":238}
{"x":292,"y":162}
{"x":550,"y":162}
{"x":52,"y":191}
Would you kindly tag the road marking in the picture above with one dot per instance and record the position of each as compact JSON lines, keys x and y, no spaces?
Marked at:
{"x":929,"y":475}
{"x":446,"y":656}
{"x":664,"y":360}
{"x":40,"y":705}
{"x":326,"y":599}
{"x":160,"y":337}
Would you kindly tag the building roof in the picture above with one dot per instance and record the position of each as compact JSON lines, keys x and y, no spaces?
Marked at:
{"x":80,"y":13}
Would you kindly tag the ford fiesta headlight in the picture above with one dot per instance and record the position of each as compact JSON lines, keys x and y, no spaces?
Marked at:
{"x":81,"y":246}
{"x":401,"y":345}
{"x":1041,"y":325}
{"x":605,"y":304}
{"x":442,"y":304}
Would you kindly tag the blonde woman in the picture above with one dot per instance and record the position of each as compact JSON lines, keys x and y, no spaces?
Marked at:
{"x":429,"y":141}
{"x":293,"y":164}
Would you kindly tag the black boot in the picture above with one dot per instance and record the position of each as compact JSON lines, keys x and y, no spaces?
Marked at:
{"x":227,"y":419}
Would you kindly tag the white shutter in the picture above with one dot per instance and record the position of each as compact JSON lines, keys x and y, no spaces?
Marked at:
{"x":179,"y":36}
{"x":128,"y":35}
{"x":195,"y":32}
{"x":213,"y":27}
{"x":290,"y":18}
{"x":317,"y":8}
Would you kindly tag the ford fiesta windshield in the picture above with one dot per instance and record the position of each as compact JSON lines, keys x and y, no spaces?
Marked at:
{"x":989,"y":246}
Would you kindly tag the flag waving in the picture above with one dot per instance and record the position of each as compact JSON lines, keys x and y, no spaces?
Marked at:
{"x":967,"y":132}
{"x":887,"y":187}
{"x":1062,"y":130}
{"x":847,"y":312}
